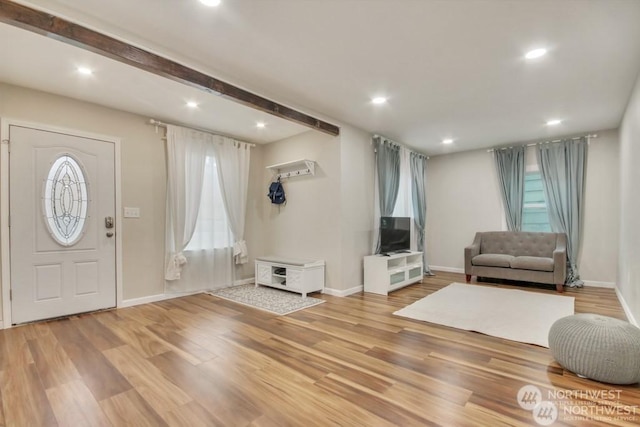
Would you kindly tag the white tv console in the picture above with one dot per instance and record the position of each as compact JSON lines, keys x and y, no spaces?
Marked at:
{"x":384,"y":274}
{"x":296,"y":275}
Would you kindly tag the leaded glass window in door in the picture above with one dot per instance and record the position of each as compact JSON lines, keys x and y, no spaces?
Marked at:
{"x":65,"y":200}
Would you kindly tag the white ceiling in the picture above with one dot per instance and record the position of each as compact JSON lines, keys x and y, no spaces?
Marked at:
{"x":31,"y":60}
{"x":451,"y":68}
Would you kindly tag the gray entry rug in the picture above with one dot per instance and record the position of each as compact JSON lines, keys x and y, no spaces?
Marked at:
{"x":506,"y":313}
{"x":267,"y":299}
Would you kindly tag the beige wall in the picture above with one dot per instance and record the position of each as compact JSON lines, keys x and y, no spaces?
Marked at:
{"x":254,"y":221}
{"x":308,"y":226}
{"x":629,"y":262}
{"x":327,"y":216}
{"x":357,"y":168}
{"x":598,"y":258}
{"x":143,"y":174}
{"x":463,"y":198}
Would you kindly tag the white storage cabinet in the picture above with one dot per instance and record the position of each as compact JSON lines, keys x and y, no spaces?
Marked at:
{"x":296,"y":275}
{"x":383,"y":274}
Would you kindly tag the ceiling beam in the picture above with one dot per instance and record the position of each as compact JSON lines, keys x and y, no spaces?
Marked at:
{"x":60,"y":29}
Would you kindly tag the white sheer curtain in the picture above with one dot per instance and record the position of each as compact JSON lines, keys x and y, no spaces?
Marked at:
{"x":212,"y":227}
{"x":233,"y":172}
{"x":404,"y":204}
{"x":198,"y":236}
{"x":186,"y":150}
{"x":209,"y":254}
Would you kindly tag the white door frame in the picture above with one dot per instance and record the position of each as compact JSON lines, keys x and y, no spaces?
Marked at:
{"x":5,"y":264}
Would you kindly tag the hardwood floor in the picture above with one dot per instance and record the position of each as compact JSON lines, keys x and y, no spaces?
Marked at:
{"x":200,"y":360}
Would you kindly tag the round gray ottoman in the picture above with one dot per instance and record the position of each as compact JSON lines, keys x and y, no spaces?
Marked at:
{"x":597,"y":347}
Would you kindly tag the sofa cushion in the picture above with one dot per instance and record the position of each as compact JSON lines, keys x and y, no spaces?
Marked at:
{"x":492,"y":260}
{"x":518,"y":243}
{"x":532,"y":263}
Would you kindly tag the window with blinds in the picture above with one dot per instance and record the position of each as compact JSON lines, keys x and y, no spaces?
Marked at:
{"x":535,"y":216}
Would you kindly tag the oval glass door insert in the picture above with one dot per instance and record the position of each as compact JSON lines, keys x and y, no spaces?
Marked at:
{"x":66,"y":200}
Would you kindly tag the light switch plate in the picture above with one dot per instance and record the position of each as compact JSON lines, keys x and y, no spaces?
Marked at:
{"x":132,"y":212}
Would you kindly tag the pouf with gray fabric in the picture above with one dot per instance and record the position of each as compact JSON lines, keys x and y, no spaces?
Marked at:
{"x":597,"y":347}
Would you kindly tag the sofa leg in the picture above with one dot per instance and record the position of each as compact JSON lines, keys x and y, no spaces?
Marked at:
{"x":559,"y":287}
{"x":468,"y":278}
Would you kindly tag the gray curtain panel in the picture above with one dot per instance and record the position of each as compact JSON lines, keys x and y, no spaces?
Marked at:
{"x":511,"y":167}
{"x":563,"y":167}
{"x":418,"y":164}
{"x":388,"y":163}
{"x":388,"y":167}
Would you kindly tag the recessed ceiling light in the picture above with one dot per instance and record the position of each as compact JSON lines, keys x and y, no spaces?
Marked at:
{"x":261,"y":125}
{"x":85,"y":71}
{"x":447,"y":141}
{"x":192,"y":104}
{"x":379,"y":100}
{"x":536,"y":53}
{"x":210,"y":2}
{"x":554,"y":122}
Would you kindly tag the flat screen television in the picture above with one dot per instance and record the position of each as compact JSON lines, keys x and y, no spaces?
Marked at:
{"x":395,"y":234}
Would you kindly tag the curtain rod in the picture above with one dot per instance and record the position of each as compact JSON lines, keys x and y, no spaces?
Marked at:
{"x":375,"y":135}
{"x":158,"y":123}
{"x":588,"y":136}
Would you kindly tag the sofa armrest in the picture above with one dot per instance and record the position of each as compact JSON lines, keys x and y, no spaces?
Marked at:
{"x":560,"y":259}
{"x":470,"y":252}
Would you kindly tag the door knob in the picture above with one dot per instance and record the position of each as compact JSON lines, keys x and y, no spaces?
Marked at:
{"x":109,"y":234}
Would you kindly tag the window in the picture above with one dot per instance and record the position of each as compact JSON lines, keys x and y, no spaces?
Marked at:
{"x":65,"y":200}
{"x":212,"y":227}
{"x":535,"y":216}
{"x":404,"y":202}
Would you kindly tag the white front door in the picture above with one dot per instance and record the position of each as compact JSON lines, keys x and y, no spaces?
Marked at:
{"x":62,"y":231}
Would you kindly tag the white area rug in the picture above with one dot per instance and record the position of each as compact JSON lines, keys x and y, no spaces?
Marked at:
{"x":506,"y":313}
{"x":267,"y":299}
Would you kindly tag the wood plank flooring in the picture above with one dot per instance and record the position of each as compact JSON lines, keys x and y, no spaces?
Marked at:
{"x":204,"y":361}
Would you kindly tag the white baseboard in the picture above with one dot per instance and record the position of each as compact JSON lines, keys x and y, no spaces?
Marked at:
{"x":591,"y":283}
{"x":595,"y":284}
{"x":1,"y":324}
{"x":343,"y":293}
{"x":625,"y":307}
{"x":154,"y":298}
{"x":161,"y":297}
{"x":446,"y":269}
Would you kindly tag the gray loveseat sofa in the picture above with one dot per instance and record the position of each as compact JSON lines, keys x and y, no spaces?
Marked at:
{"x":513,"y":255}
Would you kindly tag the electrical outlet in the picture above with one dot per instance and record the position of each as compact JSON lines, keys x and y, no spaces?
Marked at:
{"x":132,"y":212}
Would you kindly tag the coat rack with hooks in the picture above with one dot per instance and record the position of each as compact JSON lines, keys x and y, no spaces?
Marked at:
{"x":294,"y":168}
